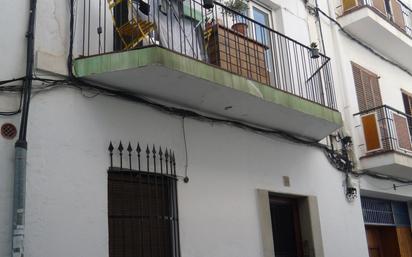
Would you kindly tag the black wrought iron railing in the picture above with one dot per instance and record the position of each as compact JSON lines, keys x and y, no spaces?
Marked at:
{"x":395,"y":11}
{"x":384,"y":129}
{"x":218,"y":36}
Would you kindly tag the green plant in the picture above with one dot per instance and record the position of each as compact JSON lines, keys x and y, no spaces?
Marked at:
{"x":239,"y":6}
{"x":313,"y":45}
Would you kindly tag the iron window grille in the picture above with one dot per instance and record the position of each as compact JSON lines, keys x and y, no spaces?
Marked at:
{"x":142,"y":203}
{"x":385,"y":212}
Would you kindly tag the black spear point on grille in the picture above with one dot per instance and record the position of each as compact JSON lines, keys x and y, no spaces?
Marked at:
{"x":161,"y":159}
{"x":166,"y":161}
{"x":154,"y":157}
{"x":111,"y":154}
{"x":110,"y":147}
{"x":174,"y":164}
{"x":147,"y":158}
{"x":120,"y":148}
{"x":138,"y":149}
{"x":130,"y":149}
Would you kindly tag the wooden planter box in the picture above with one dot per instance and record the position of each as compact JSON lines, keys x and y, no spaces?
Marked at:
{"x":237,"y":53}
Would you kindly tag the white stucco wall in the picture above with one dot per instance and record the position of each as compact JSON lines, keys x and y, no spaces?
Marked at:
{"x":67,"y":181}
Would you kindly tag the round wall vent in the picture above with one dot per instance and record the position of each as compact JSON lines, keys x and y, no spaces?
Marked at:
{"x":8,"y":131}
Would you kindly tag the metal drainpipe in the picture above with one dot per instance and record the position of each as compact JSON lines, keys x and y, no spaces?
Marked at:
{"x":19,"y":188}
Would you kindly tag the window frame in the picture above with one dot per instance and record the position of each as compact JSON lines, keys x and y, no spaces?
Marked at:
{"x":152,"y":213}
{"x":310,"y":222}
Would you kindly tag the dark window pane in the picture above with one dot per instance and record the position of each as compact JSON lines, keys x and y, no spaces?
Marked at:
{"x":142,"y":221}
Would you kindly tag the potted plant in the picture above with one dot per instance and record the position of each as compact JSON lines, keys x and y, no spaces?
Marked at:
{"x":239,"y":23}
{"x":314,"y":50}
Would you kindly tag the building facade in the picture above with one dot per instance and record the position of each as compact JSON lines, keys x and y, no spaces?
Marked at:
{"x":164,"y":128}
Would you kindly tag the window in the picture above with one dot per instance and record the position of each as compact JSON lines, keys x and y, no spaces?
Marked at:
{"x":367,"y":88}
{"x":408,"y":20}
{"x":142,"y":209}
{"x":387,"y":227}
{"x":385,"y":212}
{"x":407,"y":103}
{"x":287,"y":238}
{"x":262,"y":35}
{"x":262,"y":17}
{"x":388,"y":8}
{"x":376,"y":134}
{"x":396,"y":13}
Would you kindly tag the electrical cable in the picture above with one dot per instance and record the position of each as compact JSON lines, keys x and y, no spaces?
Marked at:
{"x":186,"y":178}
{"x":13,"y":88}
{"x":335,"y":157}
{"x":26,"y":92}
{"x":3,"y":82}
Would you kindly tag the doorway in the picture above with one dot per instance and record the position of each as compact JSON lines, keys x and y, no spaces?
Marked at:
{"x":387,"y":227}
{"x":287,"y":239}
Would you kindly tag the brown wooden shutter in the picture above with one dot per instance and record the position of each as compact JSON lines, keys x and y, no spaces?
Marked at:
{"x":376,"y":91}
{"x":402,"y":132}
{"x":349,"y":4}
{"x":371,"y":132}
{"x":398,"y":14}
{"x":367,"y":88}
{"x":357,"y":76}
{"x":380,"y":6}
{"x":404,"y":241}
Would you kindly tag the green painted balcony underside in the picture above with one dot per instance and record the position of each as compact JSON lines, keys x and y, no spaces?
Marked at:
{"x":159,"y":56}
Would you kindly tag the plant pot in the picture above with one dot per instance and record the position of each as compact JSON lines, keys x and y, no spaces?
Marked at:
{"x":208,"y":4}
{"x":144,"y":7}
{"x":314,"y":53}
{"x":240,"y":27}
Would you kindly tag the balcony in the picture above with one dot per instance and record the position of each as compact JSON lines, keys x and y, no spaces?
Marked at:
{"x":197,"y":58}
{"x":386,"y":141}
{"x":378,"y":21}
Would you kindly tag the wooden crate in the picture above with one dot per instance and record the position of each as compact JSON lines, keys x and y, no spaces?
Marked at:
{"x":237,"y":53}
